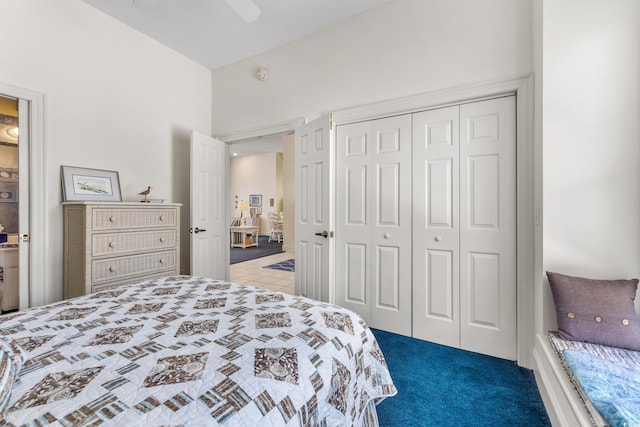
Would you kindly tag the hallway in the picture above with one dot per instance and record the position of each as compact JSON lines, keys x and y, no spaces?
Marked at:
{"x":252,"y":272}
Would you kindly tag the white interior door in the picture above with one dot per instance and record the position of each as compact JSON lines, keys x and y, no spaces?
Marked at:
{"x":373,"y":221}
{"x":209,"y":225}
{"x":313,"y":209}
{"x":436,"y":242}
{"x":488,"y":227}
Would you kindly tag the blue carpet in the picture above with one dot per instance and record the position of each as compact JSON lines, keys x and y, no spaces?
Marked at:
{"x":264,"y":248}
{"x":288,"y":265}
{"x":443,"y":386}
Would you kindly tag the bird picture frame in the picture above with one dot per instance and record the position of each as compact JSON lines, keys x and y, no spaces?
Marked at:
{"x":85,"y":184}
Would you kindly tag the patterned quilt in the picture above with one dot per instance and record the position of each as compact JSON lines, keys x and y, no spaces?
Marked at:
{"x":196,"y":352}
{"x":608,"y":377}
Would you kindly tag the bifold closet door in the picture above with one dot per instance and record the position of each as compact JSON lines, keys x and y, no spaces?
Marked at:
{"x":488,"y":227}
{"x":373,"y":221}
{"x":436,"y":242}
{"x":464,"y":242}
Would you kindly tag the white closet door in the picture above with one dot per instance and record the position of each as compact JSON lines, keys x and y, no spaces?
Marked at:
{"x":391,"y":231}
{"x":373,"y":221}
{"x":464,"y":243}
{"x":353,"y":218}
{"x":488,"y":227}
{"x":436,"y":231}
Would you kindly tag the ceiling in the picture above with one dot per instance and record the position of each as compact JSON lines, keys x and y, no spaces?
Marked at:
{"x":214,"y":34}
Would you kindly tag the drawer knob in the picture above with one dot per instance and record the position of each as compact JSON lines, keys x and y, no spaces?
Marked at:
{"x":161,"y":260}
{"x":112,"y":218}
{"x":161,"y":217}
{"x":112,"y":244}
{"x":162,"y":240}
{"x":112,"y":269}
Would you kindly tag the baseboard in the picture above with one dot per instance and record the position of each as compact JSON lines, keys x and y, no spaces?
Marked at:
{"x":288,"y":248}
{"x":564,"y":405}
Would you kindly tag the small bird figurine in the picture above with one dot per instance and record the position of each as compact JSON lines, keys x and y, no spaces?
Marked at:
{"x":144,"y":193}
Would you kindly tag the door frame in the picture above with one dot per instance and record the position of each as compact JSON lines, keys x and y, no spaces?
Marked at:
{"x":33,"y":287}
{"x":528,"y":197}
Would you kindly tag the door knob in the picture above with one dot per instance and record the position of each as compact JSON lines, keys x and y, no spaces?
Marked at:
{"x":324,"y":234}
{"x":197,"y":230}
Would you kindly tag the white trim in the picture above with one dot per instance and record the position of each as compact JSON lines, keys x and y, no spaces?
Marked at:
{"x":429,"y":100}
{"x":526,"y":186}
{"x":38,"y":221}
{"x":261,"y":132}
{"x":562,"y":402}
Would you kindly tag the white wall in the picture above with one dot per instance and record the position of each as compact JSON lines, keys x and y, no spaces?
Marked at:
{"x":403,"y":48}
{"x":591,"y":136}
{"x":115,"y":100}
{"x":253,"y":175}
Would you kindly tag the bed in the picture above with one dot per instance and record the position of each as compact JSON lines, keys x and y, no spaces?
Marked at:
{"x":190,"y":351}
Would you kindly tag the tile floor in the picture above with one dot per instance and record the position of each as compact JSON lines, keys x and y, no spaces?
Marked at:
{"x":252,"y":272}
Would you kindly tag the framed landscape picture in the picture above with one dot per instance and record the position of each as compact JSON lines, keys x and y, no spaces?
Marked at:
{"x":83,"y":184}
{"x":255,"y":200}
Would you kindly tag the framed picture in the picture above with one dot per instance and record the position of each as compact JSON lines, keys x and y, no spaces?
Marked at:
{"x":82,"y":184}
{"x":8,"y":195}
{"x":255,"y":211}
{"x":255,"y":200}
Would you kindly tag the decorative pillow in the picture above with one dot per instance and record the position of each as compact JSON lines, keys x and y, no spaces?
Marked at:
{"x":11,"y":358}
{"x":596,"y":311}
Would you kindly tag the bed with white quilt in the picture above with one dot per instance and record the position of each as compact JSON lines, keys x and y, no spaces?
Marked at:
{"x":190,"y":351}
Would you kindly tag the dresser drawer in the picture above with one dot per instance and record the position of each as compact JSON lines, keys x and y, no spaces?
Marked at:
{"x":123,"y":219}
{"x":105,"y":286}
{"x":135,"y":265}
{"x":123,"y":243}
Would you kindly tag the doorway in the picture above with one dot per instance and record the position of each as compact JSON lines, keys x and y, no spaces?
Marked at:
{"x":9,"y":205}
{"x":259,"y":186}
{"x":33,"y":222}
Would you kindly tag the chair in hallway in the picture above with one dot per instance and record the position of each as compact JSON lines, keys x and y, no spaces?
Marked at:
{"x":276,"y":227}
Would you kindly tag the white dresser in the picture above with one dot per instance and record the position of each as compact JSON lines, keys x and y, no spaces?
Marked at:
{"x":111,"y":244}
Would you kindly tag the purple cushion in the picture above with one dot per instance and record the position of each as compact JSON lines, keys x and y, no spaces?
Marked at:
{"x":596,"y":311}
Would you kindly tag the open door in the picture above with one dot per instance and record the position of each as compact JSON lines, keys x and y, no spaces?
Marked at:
{"x":209,"y":222}
{"x":314,"y":243}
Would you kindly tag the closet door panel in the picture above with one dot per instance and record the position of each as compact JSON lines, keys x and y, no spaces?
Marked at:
{"x":488,"y":227}
{"x":435,"y":226}
{"x":356,"y":274}
{"x":353,"y":218}
{"x":484,"y":191}
{"x":388,"y":292}
{"x":484,"y":289}
{"x":391,"y":230}
{"x":356,"y":195}
{"x":438,"y":267}
{"x":439,"y":193}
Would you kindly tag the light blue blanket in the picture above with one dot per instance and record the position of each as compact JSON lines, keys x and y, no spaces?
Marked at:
{"x":613,"y":389}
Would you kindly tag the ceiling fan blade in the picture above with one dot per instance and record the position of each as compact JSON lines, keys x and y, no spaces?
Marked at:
{"x":247,"y":9}
{"x":146,"y":5}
